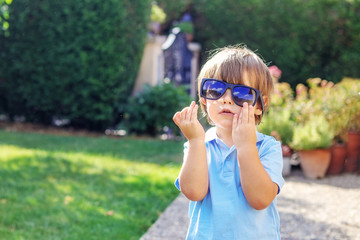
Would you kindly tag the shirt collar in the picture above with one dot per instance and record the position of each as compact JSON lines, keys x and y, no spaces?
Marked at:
{"x":210,"y":135}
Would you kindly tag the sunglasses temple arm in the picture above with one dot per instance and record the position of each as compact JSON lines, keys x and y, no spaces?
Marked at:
{"x":262,"y":104}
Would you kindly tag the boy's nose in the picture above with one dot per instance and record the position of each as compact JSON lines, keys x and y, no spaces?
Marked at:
{"x":227,"y":98}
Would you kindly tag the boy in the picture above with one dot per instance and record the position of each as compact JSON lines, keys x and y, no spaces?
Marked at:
{"x":231,"y":174}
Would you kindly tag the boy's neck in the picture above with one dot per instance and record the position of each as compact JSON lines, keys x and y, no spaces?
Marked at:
{"x":225,"y":135}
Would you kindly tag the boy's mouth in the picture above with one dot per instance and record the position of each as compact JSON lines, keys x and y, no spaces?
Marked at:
{"x":226,"y":112}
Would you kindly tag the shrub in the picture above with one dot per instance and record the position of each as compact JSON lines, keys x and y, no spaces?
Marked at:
{"x":278,"y":122}
{"x":304,"y":38}
{"x":72,"y":59}
{"x":313,"y":113}
{"x":153,"y":109}
{"x":348,"y":98}
{"x":312,"y":134}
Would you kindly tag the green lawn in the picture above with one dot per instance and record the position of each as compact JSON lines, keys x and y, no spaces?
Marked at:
{"x":60,"y":187}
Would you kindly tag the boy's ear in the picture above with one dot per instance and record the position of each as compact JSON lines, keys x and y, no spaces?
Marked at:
{"x":203,"y":100}
{"x":258,"y":110}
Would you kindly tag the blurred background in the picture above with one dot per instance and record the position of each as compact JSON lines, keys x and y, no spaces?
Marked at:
{"x":123,"y":68}
{"x":77,"y":64}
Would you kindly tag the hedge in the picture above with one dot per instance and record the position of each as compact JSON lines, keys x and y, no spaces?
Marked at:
{"x":310,"y":38}
{"x":72,"y":60}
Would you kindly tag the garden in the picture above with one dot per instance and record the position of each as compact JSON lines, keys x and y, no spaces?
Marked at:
{"x":72,"y":65}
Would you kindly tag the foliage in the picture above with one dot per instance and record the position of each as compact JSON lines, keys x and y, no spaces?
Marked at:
{"x":186,"y":27}
{"x":73,"y":60}
{"x":61,"y":187}
{"x":313,"y":134}
{"x":278,"y":123}
{"x":350,"y":108}
{"x":152,"y":110}
{"x":4,"y":15}
{"x":297,"y":120}
{"x":339,"y":104}
{"x":283,"y":95}
{"x":278,"y":119}
{"x":157,"y":14}
{"x":311,"y":107}
{"x":305,"y":38}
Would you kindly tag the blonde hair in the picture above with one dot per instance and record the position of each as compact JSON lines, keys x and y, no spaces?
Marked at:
{"x":229,"y":65}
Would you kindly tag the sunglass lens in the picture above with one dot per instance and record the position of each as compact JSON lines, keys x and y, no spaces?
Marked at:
{"x":244,"y":94}
{"x":213,"y":89}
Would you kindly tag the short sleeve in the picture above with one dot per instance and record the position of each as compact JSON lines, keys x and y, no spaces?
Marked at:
{"x":177,"y":183}
{"x":272,"y":160}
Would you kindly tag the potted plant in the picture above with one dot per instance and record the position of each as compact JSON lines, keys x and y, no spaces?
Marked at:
{"x":312,"y":139}
{"x":351,"y":110}
{"x":336,"y":115}
{"x":313,"y":134}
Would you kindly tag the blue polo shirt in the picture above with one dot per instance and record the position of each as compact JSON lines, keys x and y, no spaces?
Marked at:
{"x":224,"y":213}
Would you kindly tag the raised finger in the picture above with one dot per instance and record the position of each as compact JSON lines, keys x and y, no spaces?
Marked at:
{"x":184,"y":113}
{"x":251,"y":115}
{"x":194,"y":112}
{"x":245,"y":113}
{"x":239,"y":118}
{"x":177,"y":118}
{"x":235,"y":121}
{"x":190,"y":111}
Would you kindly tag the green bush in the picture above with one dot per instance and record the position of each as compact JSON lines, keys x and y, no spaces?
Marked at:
{"x":313,"y":134}
{"x":153,"y":109}
{"x":278,"y":122}
{"x":72,"y":59}
{"x":313,"y":38}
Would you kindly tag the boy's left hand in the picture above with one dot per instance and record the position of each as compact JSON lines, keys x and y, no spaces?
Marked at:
{"x":243,"y":128}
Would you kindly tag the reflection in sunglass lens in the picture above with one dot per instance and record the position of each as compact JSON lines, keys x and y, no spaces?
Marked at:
{"x":213,"y":89}
{"x":244,"y":94}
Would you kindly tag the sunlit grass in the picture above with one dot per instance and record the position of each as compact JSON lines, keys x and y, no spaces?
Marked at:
{"x":56,"y":187}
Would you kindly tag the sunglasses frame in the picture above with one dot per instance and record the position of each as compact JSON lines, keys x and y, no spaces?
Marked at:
{"x":231,"y":87}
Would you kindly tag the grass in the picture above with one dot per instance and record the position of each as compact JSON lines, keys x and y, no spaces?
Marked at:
{"x":61,"y":187}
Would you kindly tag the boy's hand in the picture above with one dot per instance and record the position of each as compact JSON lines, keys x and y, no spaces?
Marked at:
{"x":188,"y":123}
{"x":243,"y":128}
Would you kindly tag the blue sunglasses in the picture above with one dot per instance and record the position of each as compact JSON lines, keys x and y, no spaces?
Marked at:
{"x":213,"y":89}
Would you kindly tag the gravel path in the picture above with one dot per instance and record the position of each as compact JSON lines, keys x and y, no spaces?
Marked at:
{"x":325,"y":209}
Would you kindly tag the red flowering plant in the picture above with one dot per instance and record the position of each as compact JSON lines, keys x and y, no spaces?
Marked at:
{"x":275,"y":73}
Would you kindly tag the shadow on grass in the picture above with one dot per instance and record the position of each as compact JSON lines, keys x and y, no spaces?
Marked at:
{"x":48,"y":196}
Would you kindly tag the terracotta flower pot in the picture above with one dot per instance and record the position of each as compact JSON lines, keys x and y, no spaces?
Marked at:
{"x":337,"y":160}
{"x":314,"y":163}
{"x":353,"y":152}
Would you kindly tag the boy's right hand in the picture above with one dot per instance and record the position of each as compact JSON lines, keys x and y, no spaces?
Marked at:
{"x":188,"y":123}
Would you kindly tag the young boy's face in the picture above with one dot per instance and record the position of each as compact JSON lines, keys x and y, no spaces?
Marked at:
{"x":221,"y":111}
